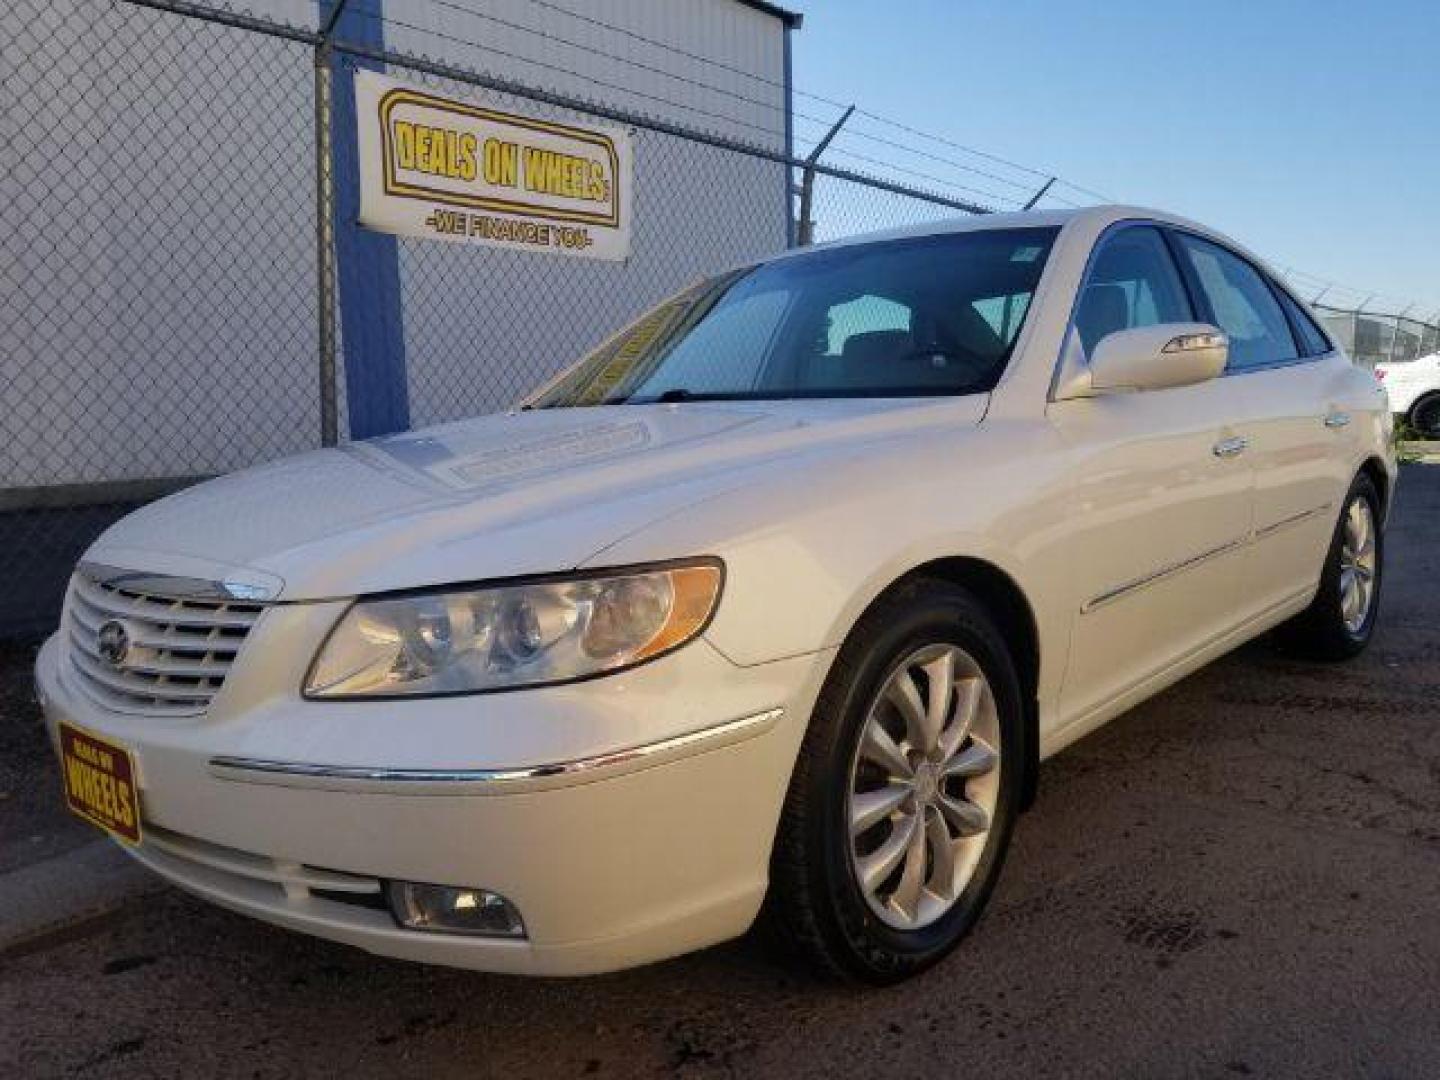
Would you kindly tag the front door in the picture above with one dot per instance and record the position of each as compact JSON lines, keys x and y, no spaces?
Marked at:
{"x":1160,"y":494}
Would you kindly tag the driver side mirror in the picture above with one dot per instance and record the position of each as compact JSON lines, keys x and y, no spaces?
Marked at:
{"x":1158,"y":357}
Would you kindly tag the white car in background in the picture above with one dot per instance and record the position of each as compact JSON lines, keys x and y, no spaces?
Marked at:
{"x":774,"y":602}
{"x":1414,"y":389}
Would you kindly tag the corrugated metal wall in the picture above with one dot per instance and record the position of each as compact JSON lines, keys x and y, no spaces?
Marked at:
{"x":158,"y":226}
{"x":584,"y":57}
{"x":158,"y":197}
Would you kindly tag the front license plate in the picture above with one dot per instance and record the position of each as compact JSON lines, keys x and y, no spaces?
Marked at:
{"x":100,"y":783}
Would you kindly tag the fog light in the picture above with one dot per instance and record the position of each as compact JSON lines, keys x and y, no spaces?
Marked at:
{"x":453,"y":909}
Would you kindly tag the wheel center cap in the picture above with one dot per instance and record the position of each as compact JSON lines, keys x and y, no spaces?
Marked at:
{"x":927,"y":782}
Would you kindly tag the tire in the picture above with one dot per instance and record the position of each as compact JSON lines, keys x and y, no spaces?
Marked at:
{"x":817,"y":904}
{"x":1328,"y":629}
{"x":1425,"y":416}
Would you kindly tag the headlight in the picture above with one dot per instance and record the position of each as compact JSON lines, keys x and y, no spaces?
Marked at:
{"x":456,"y":641}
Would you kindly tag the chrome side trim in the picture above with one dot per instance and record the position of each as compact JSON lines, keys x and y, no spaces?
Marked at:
{"x":1293,"y":519}
{"x":1121,"y":591}
{"x":383,"y":780}
{"x":1136,"y":691}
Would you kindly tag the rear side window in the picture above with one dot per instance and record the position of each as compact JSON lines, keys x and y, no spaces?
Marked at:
{"x":1132,"y":282}
{"x":1313,"y":341}
{"x":1241,"y":304}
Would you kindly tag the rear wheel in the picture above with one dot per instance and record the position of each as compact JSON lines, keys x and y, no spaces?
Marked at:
{"x":1425,"y":416}
{"x":908,"y":782}
{"x":1340,"y":620}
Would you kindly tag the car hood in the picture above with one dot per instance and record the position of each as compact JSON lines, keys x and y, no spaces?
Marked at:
{"x":498,"y":496}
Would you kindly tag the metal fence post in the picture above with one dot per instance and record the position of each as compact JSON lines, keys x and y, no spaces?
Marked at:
{"x":325,"y":232}
{"x":806,"y":232}
{"x":1395,"y":337}
{"x":1039,"y":194}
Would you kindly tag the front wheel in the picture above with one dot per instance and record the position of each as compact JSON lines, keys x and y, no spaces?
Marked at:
{"x":1340,"y":621}
{"x":908,"y":782}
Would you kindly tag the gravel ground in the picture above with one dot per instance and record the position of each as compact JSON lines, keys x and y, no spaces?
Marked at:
{"x":1241,"y":877}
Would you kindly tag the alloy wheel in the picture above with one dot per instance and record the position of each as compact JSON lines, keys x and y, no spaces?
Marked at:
{"x":924,"y":783}
{"x":1357,"y":564}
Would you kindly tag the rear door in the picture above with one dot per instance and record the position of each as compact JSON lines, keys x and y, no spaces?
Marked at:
{"x":1300,"y":436}
{"x":1159,"y":496}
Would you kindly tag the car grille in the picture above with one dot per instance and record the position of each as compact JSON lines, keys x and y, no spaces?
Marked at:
{"x":180,"y":648}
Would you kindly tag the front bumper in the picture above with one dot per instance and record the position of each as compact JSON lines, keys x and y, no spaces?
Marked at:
{"x":616,"y":854}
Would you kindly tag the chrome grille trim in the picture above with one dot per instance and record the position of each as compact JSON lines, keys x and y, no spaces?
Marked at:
{"x":181,"y":646}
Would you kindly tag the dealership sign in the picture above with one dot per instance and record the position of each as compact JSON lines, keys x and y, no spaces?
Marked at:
{"x":449,"y":170}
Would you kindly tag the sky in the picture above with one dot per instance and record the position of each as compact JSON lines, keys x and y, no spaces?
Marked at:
{"x":1308,"y":130}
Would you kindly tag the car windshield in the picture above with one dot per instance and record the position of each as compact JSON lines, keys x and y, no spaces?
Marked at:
{"x":929,"y":315}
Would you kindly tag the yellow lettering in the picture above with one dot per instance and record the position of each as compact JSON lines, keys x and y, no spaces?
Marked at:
{"x":501,"y":160}
{"x":125,"y":805}
{"x":404,"y":144}
{"x":75,"y":773}
{"x":534,"y":169}
{"x":551,"y":173}
{"x":554,"y":173}
{"x":467,"y":157}
{"x":93,"y":794}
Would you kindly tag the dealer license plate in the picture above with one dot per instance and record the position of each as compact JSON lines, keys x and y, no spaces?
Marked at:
{"x":100,"y":782}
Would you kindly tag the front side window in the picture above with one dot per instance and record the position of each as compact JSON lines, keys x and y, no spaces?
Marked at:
{"x":1132,"y":282}
{"x":1241,"y":304}
{"x":924,"y":316}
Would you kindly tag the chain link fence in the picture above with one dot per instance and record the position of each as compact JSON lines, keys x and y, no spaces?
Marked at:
{"x":175,"y":273}
{"x":1372,"y":338}
{"x":181,"y":261}
{"x":159,"y":313}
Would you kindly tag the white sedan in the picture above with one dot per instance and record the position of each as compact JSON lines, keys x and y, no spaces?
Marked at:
{"x":1414,"y":388}
{"x":771,"y":606}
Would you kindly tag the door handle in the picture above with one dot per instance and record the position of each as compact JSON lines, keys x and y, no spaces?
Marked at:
{"x":1337,"y":420}
{"x":1230,"y":447}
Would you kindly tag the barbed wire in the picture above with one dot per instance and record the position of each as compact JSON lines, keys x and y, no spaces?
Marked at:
{"x":821,"y":123}
{"x":1312,"y":285}
{"x":455,"y":39}
{"x":1317,"y":289}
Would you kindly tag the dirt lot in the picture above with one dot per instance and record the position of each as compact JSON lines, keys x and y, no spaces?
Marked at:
{"x":1241,"y":877}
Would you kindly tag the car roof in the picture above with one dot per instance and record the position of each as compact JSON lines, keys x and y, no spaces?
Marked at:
{"x":1098,"y":217}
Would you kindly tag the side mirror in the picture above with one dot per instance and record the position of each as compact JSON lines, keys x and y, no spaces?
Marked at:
{"x":1157,"y":357}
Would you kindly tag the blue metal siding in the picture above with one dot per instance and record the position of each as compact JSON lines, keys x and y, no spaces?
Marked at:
{"x":372,"y":334}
